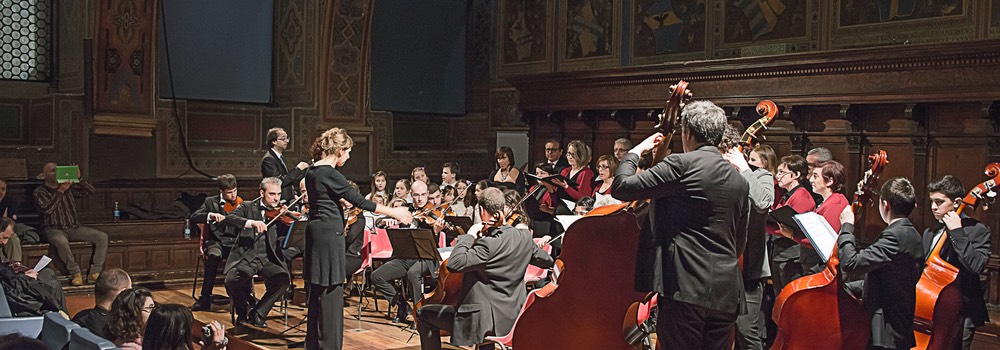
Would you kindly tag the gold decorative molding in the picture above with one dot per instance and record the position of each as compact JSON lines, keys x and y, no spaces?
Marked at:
{"x":123,"y":126}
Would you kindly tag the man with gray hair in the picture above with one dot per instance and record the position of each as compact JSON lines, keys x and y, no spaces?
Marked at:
{"x":817,"y":156}
{"x":621,"y":147}
{"x":255,"y":252}
{"x":700,"y":207}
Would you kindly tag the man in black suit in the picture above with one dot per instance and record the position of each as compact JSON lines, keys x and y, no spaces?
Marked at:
{"x":255,"y":253}
{"x":220,"y":238}
{"x":554,"y":155}
{"x":273,"y":164}
{"x":493,"y":267}
{"x":892,"y":266}
{"x":750,"y":328}
{"x":967,"y":247}
{"x":699,"y":219}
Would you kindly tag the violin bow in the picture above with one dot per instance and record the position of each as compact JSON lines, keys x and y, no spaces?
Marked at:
{"x":283,"y":211}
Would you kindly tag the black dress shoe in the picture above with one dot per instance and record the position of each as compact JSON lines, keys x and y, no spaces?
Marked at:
{"x":204,"y":303}
{"x":256,"y":320}
{"x":401,"y":313}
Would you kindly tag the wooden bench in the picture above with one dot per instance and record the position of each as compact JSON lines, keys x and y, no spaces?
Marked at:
{"x":152,"y":251}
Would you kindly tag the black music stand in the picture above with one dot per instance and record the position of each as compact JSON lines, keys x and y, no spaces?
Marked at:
{"x":459,"y":222}
{"x":416,"y":244}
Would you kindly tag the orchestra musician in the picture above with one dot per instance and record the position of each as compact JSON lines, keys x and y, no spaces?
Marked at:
{"x":791,"y":176}
{"x":413,"y":270}
{"x":273,"y":164}
{"x":255,"y":252}
{"x":220,"y":239}
{"x":492,"y":296}
{"x":324,"y":261}
{"x":700,"y":205}
{"x":892,"y":266}
{"x":967,"y":247}
{"x":750,"y":331}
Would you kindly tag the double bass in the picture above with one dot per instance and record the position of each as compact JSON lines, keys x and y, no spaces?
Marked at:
{"x":752,"y":136}
{"x":816,"y":312}
{"x":936,"y":320}
{"x":589,"y":307}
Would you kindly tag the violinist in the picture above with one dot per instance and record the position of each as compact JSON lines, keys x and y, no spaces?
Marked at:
{"x":967,"y":247}
{"x":220,"y":239}
{"x":492,"y":296}
{"x":750,"y":325}
{"x":256,"y":253}
{"x":413,"y":270}
{"x":892,"y":266}
{"x":699,"y":214}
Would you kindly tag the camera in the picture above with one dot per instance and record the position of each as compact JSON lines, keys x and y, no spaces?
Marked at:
{"x":206,"y":334}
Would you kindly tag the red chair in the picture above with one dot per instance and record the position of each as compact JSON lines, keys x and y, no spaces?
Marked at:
{"x":366,"y":263}
{"x":203,"y":232}
{"x":381,"y":248}
{"x":534,"y":273}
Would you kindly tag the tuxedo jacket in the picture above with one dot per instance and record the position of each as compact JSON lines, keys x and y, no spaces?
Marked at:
{"x":243,"y":250}
{"x":493,"y":290}
{"x":698,"y":215}
{"x":272,"y":166}
{"x":222,"y":234}
{"x":892,"y":266}
{"x":968,"y":249}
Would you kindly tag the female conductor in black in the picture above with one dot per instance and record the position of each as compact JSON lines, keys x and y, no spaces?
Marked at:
{"x":323,"y":264}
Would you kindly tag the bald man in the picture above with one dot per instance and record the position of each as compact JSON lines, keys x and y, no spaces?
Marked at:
{"x":61,"y":225}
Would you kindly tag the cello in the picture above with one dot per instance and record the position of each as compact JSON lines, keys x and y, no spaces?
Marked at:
{"x":936,"y":320}
{"x":597,"y":288}
{"x":752,"y":136}
{"x":816,"y":312}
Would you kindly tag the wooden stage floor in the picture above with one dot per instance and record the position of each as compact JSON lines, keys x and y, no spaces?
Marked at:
{"x":373,"y":331}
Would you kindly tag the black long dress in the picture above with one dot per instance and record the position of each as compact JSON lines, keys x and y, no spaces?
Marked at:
{"x":323,"y":263}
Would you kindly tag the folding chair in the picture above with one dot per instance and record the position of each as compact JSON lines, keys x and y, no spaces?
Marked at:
{"x":534,"y":273}
{"x":84,"y":339}
{"x":506,"y":341}
{"x":202,"y":233}
{"x":56,"y":330}
{"x":366,"y":263}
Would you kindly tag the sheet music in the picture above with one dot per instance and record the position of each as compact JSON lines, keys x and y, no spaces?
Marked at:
{"x":821,"y":235}
{"x":567,"y":220}
{"x":44,"y":261}
{"x":570,"y":204}
{"x":445,"y":252}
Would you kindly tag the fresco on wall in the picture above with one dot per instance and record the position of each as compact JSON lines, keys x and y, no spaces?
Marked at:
{"x":995,"y":19}
{"x":525,"y":36}
{"x":746,"y":21}
{"x":589,"y":33}
{"x":665,"y":28}
{"x":858,"y":12}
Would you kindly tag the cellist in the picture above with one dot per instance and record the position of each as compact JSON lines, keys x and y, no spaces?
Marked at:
{"x":221,"y":237}
{"x":492,"y":296}
{"x":967,"y":247}
{"x":700,"y":207}
{"x":892,"y":266}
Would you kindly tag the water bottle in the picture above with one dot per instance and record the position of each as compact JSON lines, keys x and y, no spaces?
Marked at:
{"x":187,"y":229}
{"x":118,"y":214}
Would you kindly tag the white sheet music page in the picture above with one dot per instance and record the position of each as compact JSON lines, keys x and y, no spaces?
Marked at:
{"x":567,"y":220}
{"x":820,"y":233}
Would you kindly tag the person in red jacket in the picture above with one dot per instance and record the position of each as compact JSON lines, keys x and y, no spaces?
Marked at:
{"x":827,"y":181}
{"x":790,"y":178}
{"x":578,"y":155}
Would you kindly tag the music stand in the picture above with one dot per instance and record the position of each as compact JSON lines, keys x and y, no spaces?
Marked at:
{"x":416,"y":244}
{"x":460,"y":222}
{"x":296,"y":237}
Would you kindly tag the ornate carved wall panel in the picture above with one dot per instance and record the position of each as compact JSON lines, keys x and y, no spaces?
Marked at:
{"x":525,"y":38}
{"x":345,"y":64}
{"x":588,"y":34}
{"x":124,"y":65}
{"x":297,"y":25}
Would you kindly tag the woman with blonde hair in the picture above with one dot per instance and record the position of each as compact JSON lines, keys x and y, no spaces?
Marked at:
{"x":578,"y":155}
{"x":324,"y":260}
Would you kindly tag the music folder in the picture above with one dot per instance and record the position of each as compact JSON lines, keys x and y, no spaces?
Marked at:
{"x":821,"y":235}
{"x":419,"y":244}
{"x":548,"y":179}
{"x":784,"y":216}
{"x":296,"y":235}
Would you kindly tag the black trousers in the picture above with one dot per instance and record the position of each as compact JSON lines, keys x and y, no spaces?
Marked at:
{"x":213,"y":261}
{"x":681,"y":325}
{"x":434,"y":318}
{"x":325,"y":326}
{"x":413,"y":270}
{"x":239,"y":280}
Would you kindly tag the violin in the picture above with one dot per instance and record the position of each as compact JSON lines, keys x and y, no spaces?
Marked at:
{"x":282,"y":213}
{"x":820,"y":301}
{"x":936,"y":322}
{"x":230,"y":206}
{"x":352,"y":216}
{"x":752,"y":136}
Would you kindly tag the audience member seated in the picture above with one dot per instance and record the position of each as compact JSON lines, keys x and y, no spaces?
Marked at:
{"x":12,"y":252}
{"x":26,"y":234}
{"x":16,"y":341}
{"x":169,"y":328}
{"x":127,"y":320}
{"x":56,"y":203}
{"x":106,"y":290}
{"x":26,"y":295}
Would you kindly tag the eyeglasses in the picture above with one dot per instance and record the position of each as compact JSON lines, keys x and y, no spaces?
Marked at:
{"x":551,"y":150}
{"x":783,"y":173}
{"x":602,"y":166}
